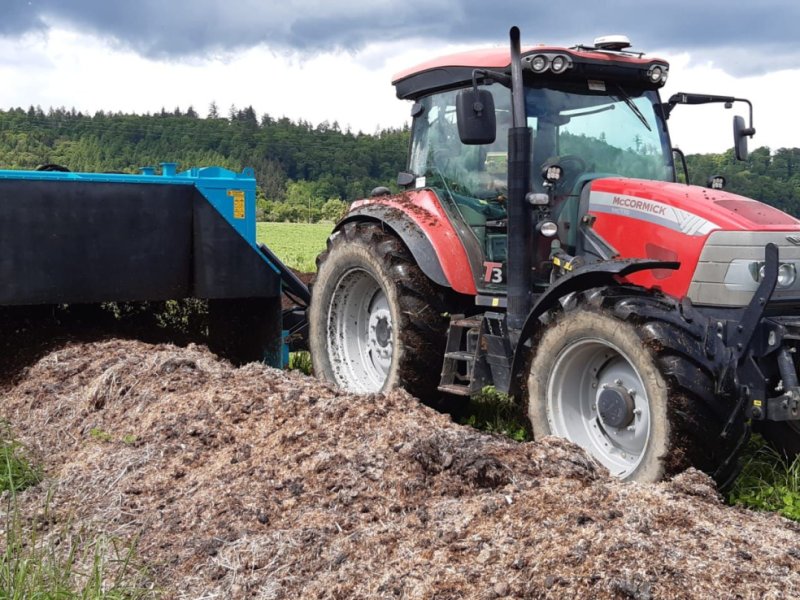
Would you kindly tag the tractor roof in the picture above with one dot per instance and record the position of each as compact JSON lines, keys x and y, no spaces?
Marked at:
{"x":455,"y":70}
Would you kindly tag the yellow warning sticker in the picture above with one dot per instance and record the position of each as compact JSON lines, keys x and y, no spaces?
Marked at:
{"x":756,"y":402}
{"x":495,"y":301}
{"x":238,"y":203}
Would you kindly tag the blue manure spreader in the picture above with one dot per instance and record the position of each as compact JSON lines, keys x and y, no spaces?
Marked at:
{"x":87,"y":238}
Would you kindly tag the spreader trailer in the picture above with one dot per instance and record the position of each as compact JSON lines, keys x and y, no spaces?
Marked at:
{"x":88,"y":238}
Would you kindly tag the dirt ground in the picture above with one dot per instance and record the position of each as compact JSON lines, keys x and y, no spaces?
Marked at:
{"x":257,"y":483}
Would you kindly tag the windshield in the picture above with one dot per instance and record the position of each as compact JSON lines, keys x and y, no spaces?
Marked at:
{"x":591,"y":128}
{"x":604,"y":129}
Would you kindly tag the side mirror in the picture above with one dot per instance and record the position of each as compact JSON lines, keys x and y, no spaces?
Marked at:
{"x":476,"y":118}
{"x":740,"y":134}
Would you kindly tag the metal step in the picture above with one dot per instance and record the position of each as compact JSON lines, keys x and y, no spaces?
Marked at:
{"x":460,"y":355}
{"x":458,"y":390}
{"x":467,"y":323}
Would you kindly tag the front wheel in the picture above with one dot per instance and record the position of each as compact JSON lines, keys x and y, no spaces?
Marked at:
{"x":635,"y":394}
{"x":375,"y":320}
{"x":592,"y":382}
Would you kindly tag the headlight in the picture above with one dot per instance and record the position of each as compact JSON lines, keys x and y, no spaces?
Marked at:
{"x":548,"y":228}
{"x":552,"y":174}
{"x":657,"y":74}
{"x":538,"y":63}
{"x":787,"y":274}
{"x":559,"y":64}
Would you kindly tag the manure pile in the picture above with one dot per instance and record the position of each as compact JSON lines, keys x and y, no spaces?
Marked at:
{"x":257,"y":483}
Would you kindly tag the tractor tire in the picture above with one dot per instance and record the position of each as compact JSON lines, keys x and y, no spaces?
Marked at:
{"x":632,"y":395}
{"x":375,"y":321}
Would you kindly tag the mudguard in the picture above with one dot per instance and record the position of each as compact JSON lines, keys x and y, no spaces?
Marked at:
{"x":590,"y":276}
{"x":426,"y":231}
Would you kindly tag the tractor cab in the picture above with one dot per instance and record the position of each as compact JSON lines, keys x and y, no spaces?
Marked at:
{"x":594,"y":112}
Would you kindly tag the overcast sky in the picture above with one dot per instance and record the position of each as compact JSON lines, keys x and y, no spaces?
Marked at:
{"x":333,"y":59}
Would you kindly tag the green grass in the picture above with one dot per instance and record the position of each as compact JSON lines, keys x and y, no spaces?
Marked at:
{"x":495,"y":412}
{"x":768,"y":481}
{"x":46,"y":560}
{"x":300,"y":361}
{"x":16,"y":471}
{"x":296,"y":244}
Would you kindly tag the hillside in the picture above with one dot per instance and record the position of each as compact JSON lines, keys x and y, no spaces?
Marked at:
{"x":295,"y":163}
{"x":340,"y":164}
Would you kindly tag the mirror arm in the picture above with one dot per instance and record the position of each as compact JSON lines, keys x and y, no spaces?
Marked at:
{"x":750,"y":131}
{"x":685,"y":98}
{"x":680,"y":153}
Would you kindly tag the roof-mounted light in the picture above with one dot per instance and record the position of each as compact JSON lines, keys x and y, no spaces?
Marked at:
{"x":559,"y":64}
{"x":556,"y":63}
{"x":539,"y":63}
{"x":658,"y":74}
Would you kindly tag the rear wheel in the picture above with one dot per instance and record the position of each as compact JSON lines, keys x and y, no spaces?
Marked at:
{"x":620,"y":390}
{"x":375,"y":320}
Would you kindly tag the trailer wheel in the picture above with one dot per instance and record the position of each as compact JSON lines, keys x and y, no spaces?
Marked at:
{"x":375,"y":320}
{"x":638,"y":405}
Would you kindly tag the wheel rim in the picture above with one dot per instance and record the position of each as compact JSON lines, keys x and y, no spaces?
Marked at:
{"x":360,"y":333}
{"x":597,"y":399}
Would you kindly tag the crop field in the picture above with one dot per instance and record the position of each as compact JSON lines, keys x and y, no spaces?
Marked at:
{"x":296,"y":244}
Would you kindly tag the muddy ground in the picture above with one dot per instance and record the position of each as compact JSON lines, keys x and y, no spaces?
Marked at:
{"x":257,"y":483}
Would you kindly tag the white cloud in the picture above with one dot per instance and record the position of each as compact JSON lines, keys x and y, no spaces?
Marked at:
{"x":67,"y":68}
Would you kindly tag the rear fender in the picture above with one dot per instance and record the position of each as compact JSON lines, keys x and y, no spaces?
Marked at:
{"x":602,"y":274}
{"x":422,"y":224}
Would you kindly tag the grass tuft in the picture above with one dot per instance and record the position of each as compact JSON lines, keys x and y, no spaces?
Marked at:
{"x":300,"y":361}
{"x":495,"y":412}
{"x":16,"y":471}
{"x":45,"y":560}
{"x":768,"y":482}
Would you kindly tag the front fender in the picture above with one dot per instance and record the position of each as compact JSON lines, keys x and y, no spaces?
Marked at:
{"x":590,"y":276}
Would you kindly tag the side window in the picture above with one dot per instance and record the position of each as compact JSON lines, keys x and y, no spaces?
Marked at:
{"x":438,"y":155}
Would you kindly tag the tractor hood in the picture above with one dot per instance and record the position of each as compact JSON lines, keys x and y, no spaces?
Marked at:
{"x":705,"y":230}
{"x":689,"y":209}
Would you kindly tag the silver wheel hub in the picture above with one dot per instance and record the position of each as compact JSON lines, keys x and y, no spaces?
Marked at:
{"x":360,"y":333}
{"x":597,"y":399}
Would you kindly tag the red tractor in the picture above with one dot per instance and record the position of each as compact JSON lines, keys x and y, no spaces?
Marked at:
{"x":544,"y":245}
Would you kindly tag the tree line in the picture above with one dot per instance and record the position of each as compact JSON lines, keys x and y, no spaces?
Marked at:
{"x":771,"y":177}
{"x":304,"y":172}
